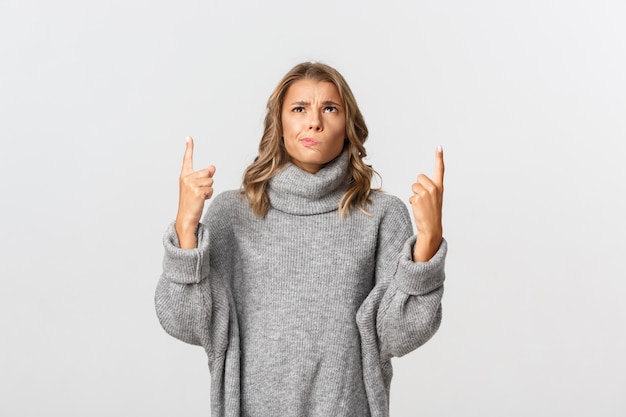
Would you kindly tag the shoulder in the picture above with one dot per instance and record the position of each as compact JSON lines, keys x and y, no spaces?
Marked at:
{"x":386,"y":204}
{"x":227,"y":200}
{"x":224,"y":205}
{"x":391,"y":213}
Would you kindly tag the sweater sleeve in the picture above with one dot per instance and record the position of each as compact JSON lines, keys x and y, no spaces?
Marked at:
{"x":191,"y":299}
{"x":408,"y":309}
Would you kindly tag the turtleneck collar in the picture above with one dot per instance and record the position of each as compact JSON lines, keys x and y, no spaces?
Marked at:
{"x":295,"y":191}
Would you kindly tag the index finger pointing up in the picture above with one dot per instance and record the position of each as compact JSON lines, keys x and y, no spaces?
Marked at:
{"x":188,"y":158}
{"x":439,"y":167}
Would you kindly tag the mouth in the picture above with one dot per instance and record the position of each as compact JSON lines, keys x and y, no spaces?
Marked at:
{"x":308,"y":142}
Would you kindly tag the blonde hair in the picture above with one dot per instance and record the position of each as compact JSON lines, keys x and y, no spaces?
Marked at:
{"x":273,"y":155}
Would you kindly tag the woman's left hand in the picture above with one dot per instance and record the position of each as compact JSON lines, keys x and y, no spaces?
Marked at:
{"x":426,"y":203}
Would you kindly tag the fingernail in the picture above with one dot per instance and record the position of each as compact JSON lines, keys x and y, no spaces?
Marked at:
{"x":439,"y":148}
{"x":187,"y":139}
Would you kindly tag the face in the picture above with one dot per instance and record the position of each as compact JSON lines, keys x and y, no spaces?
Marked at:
{"x":314,"y":124}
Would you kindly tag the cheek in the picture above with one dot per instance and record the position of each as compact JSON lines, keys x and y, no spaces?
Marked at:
{"x":340,"y":131}
{"x":289,"y":127}
{"x":339,"y":139}
{"x":339,"y":145}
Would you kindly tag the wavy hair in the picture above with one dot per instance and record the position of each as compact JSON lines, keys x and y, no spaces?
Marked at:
{"x":273,"y":156}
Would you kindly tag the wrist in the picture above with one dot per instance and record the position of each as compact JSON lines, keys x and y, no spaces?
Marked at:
{"x":426,"y":245}
{"x":186,"y":233}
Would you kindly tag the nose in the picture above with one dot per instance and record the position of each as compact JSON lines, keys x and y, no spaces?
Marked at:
{"x":315,"y":122}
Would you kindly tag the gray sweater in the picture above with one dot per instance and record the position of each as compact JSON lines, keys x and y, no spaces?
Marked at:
{"x":300,"y":312}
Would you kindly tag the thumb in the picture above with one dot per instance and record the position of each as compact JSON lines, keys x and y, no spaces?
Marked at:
{"x":188,"y":158}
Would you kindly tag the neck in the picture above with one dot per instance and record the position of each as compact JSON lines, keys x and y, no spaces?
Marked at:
{"x":294,"y":190}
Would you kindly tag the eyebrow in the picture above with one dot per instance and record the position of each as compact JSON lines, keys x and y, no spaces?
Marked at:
{"x":306,"y":103}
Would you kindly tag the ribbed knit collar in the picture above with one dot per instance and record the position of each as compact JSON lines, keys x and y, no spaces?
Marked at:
{"x":296,"y":191}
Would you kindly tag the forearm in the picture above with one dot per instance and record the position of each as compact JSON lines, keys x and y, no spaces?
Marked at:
{"x":183,"y":296}
{"x":187,"y":234}
{"x":190,"y":305}
{"x":426,"y":246}
{"x":410,"y":311}
{"x":181,"y":310}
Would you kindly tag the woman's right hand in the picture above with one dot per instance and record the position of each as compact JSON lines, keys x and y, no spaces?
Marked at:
{"x":195,"y":188}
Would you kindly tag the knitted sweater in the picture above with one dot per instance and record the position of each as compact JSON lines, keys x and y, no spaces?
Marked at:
{"x":300,"y":312}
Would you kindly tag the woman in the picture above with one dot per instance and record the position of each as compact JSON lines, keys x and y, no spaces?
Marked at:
{"x":303,"y":285}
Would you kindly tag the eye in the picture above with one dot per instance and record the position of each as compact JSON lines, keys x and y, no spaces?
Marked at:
{"x":298,"y":109}
{"x":331,"y":109}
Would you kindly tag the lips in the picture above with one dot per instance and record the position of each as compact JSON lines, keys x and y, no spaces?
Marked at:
{"x":308,"y":142}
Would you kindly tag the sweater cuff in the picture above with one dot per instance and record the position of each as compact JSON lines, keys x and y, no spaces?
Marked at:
{"x":417,"y":278}
{"x":184,"y":266}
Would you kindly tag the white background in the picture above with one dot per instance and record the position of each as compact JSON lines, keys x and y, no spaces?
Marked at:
{"x":528,"y":99}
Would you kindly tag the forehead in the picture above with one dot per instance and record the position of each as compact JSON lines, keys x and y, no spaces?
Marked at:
{"x":310,"y":90}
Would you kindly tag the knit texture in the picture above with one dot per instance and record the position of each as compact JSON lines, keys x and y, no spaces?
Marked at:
{"x":300,"y":312}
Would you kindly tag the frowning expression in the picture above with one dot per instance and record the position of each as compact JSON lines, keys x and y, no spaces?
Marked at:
{"x":314,"y":124}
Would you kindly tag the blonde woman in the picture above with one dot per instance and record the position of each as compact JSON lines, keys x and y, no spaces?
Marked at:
{"x":304,"y":284}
